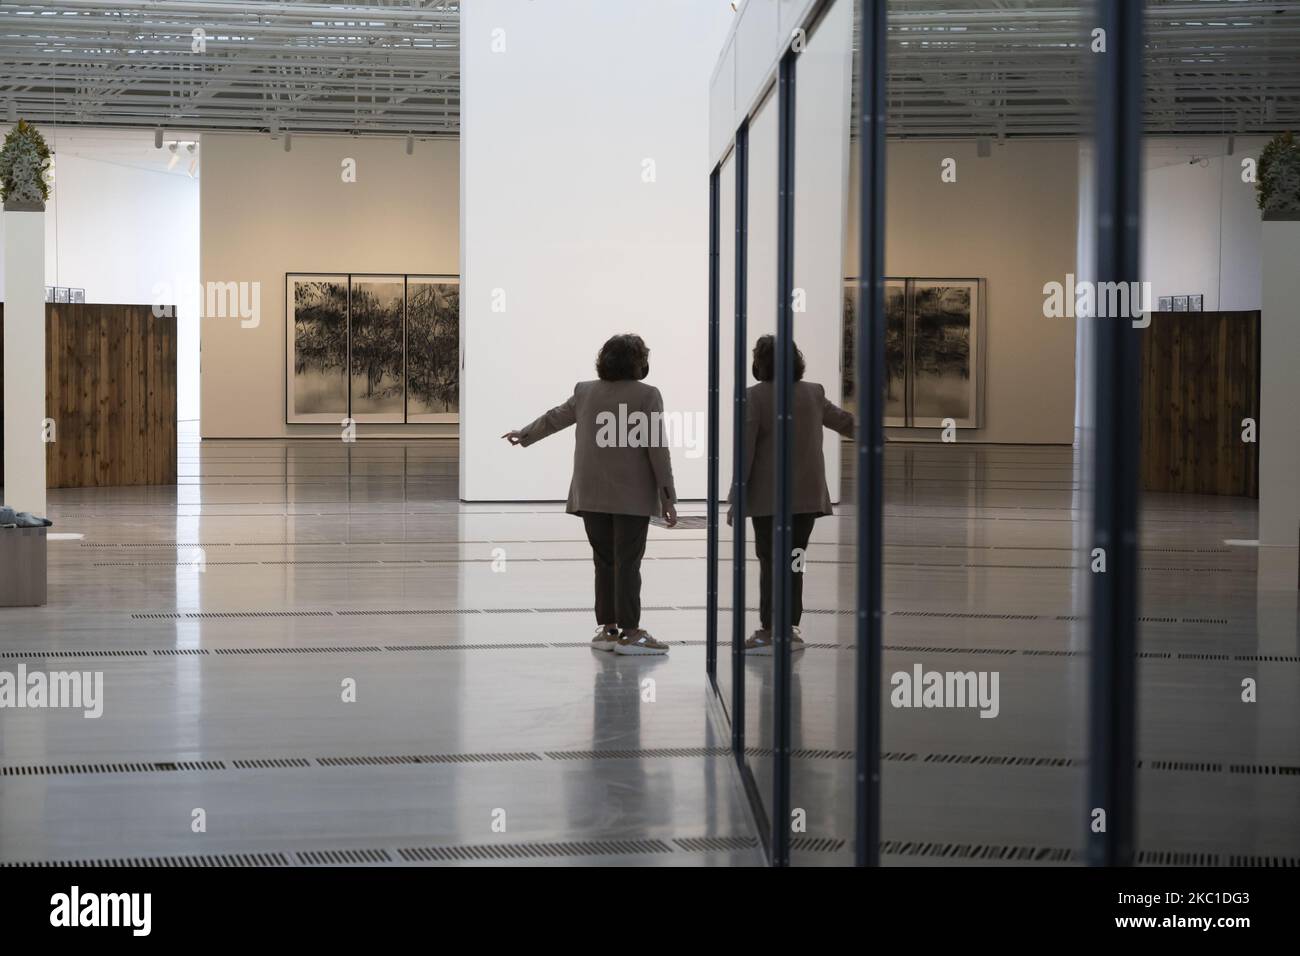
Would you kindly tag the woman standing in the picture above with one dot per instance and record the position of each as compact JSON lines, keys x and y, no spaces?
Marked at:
{"x":809,"y":496}
{"x":622,"y":476}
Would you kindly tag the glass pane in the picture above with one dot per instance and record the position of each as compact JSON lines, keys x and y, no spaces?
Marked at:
{"x":822,"y":676}
{"x":761,"y":304}
{"x":726,"y":416}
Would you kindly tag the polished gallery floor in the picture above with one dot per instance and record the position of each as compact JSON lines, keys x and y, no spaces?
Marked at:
{"x":313,"y":653}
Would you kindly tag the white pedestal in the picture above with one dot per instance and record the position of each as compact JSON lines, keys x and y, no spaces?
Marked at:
{"x":1279,"y":388}
{"x":24,"y":361}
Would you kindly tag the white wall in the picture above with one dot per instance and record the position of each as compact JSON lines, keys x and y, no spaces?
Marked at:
{"x":1200,"y":226}
{"x":556,"y":214}
{"x":266,"y":212}
{"x":117,"y":230}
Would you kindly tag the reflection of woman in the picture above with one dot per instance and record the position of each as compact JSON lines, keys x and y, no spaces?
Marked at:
{"x":622,"y":476}
{"x":809,"y":496}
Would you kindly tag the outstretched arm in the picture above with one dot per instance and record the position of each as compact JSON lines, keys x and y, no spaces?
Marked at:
{"x":557,"y":419}
{"x":836,"y":418}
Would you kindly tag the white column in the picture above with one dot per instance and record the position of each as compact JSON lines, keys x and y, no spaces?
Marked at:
{"x":24,"y":360}
{"x":1279,"y":388}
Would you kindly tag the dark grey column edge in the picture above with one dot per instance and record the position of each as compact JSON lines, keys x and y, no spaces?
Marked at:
{"x":1112,"y":722}
{"x":870,"y":374}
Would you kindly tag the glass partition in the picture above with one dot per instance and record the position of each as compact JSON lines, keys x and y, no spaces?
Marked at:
{"x":756,"y":435}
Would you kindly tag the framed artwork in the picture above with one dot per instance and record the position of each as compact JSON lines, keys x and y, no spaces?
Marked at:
{"x":1195,"y":303}
{"x":317,"y":348}
{"x":432,"y":348}
{"x":61,"y":294}
{"x":933,"y":350}
{"x":49,"y":293}
{"x":1180,"y":303}
{"x":1164,"y":304}
{"x":79,"y":295}
{"x":379,"y":348}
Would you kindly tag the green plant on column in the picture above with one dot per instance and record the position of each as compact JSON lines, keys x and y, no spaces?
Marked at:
{"x":24,"y":167}
{"x":1277,"y":181}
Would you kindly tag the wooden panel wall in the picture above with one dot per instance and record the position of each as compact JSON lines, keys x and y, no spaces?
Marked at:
{"x":1200,"y":378}
{"x":110,"y":386}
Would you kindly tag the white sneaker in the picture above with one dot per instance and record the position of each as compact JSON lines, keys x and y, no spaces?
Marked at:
{"x":605,"y":640}
{"x":796,"y":639}
{"x":639,"y":642}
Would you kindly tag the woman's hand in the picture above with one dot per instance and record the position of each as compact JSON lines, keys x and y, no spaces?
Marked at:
{"x":670,"y":514}
{"x":513,"y":437}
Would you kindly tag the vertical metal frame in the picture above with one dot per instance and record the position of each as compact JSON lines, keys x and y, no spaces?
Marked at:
{"x":782,"y":532}
{"x":870,"y":375}
{"x":738,"y":507}
{"x":711,"y":536}
{"x":1112,"y":722}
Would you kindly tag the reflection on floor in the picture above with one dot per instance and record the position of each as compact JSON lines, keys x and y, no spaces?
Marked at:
{"x":231,"y":616}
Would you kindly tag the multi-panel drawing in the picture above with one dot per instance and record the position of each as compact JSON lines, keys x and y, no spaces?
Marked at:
{"x":375,"y":348}
{"x":932,"y":350}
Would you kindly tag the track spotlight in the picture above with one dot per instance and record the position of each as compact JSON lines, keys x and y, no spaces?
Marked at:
{"x":158,"y":138}
{"x":288,"y":141}
{"x":1232,"y":143}
{"x":983,"y":147}
{"x":13,"y":111}
{"x":410,"y":144}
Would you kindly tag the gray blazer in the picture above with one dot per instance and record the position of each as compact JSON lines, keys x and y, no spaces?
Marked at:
{"x":623,"y":471}
{"x":812,"y":411}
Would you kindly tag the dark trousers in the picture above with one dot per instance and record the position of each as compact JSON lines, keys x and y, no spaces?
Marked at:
{"x":617,"y":545}
{"x":802,"y":527}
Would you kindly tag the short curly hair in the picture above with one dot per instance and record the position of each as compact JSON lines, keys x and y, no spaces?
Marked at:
{"x":623,"y":357}
{"x":764,"y":367}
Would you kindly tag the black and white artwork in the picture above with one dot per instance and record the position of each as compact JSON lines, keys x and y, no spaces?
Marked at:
{"x":79,"y":295}
{"x":377,"y":374}
{"x":432,"y":349}
{"x":1180,"y":303}
{"x":377,"y":348}
{"x":61,"y":294}
{"x":1164,"y":304}
{"x":318,"y":348}
{"x":932,"y":358}
{"x":1195,"y":303}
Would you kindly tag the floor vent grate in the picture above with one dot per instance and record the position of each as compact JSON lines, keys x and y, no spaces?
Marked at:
{"x":524,"y":851}
{"x":52,"y":654}
{"x":294,"y":650}
{"x":1203,"y":657}
{"x":816,"y":845}
{"x":270,"y":764}
{"x":1252,"y":860}
{"x":219,"y":860}
{"x":917,"y":648}
{"x":637,"y":754}
{"x":464,"y":647}
{"x":1267,"y":770}
{"x":180,"y":651}
{"x":408,"y":613}
{"x":1176,"y":858}
{"x":716,"y":844}
{"x":994,"y":760}
{"x":979,"y":851}
{"x":1275,"y":658}
{"x":1189,"y":766}
{"x":346,"y":857}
